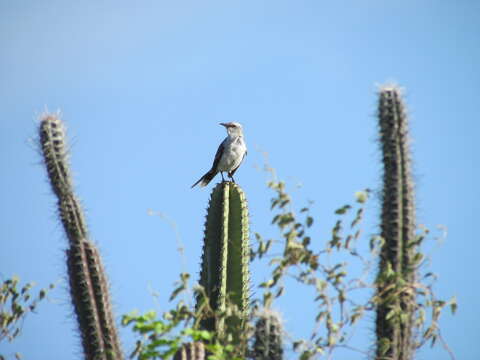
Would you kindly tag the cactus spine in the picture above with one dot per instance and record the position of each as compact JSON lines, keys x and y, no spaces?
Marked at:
{"x":88,"y":283}
{"x":395,"y":309}
{"x":268,"y":337}
{"x":224,"y":271}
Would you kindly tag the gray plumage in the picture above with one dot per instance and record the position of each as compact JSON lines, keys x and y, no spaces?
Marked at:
{"x":229,"y":156}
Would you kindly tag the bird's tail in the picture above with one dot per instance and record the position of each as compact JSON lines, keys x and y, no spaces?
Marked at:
{"x":205,"y":179}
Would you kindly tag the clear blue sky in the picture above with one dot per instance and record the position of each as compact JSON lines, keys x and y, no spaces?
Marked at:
{"x":143,"y":87}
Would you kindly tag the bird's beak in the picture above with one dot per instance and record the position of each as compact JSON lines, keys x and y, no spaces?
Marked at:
{"x":224,"y":124}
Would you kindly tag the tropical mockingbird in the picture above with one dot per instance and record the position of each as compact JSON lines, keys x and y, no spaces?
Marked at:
{"x":229,"y":155}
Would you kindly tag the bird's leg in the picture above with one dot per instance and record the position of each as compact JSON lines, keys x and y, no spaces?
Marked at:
{"x":221,"y":173}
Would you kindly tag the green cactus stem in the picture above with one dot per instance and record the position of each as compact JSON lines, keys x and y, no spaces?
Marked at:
{"x":268,"y":344}
{"x":224,"y":272}
{"x":395,"y":310}
{"x":87,"y":278}
{"x":55,"y":154}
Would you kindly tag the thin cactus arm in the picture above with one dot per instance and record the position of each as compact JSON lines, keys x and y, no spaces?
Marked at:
{"x":268,"y":337}
{"x":191,"y":351}
{"x":87,"y":278}
{"x":52,"y":134}
{"x":394,"y":333}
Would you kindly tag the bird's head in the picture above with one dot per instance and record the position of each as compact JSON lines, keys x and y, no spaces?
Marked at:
{"x":233,"y":128}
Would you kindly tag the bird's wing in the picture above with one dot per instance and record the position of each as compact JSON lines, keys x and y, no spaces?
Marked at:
{"x":218,"y":155}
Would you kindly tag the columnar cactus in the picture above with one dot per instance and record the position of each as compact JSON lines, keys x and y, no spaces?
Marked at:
{"x":268,"y":344}
{"x":224,"y":271}
{"x":395,"y":291}
{"x":191,"y":351}
{"x":88,"y":283}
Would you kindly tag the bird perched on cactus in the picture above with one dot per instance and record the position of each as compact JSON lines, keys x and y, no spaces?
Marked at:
{"x":229,"y":156}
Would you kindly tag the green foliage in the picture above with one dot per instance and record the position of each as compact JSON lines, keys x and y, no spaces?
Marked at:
{"x":330,"y":281}
{"x":15,"y":303}
{"x":171,"y":334}
{"x":87,"y":278}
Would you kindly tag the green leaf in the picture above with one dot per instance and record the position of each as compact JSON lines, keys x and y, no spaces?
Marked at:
{"x":309,"y":221}
{"x":177,"y":291}
{"x":383,"y":346}
{"x":343,"y":210}
{"x":361,"y":196}
{"x":417,"y":258}
{"x":266,"y":284}
{"x":390,"y":314}
{"x":306,"y":241}
{"x":453,"y":305}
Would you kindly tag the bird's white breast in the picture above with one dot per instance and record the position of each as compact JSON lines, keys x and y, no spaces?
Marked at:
{"x":233,"y":153}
